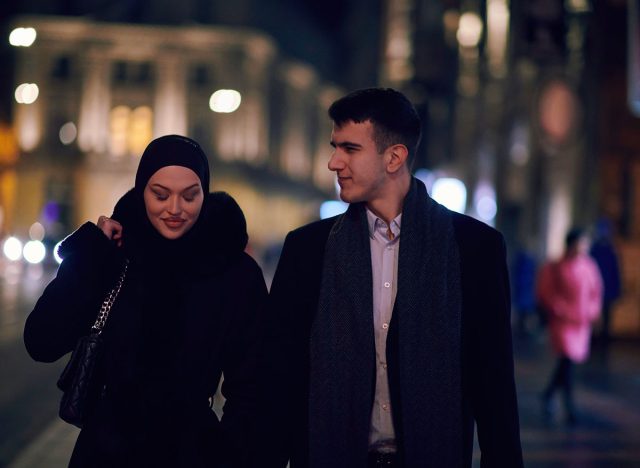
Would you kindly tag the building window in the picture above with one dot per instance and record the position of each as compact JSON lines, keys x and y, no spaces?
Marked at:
{"x":130,"y":131}
{"x":61,"y":69}
{"x":200,"y":76}
{"x":143,"y":73}
{"x":132,"y":73}
{"x":119,"y":73}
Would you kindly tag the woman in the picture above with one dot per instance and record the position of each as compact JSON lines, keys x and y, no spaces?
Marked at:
{"x":570,"y":290}
{"x":189,"y":310}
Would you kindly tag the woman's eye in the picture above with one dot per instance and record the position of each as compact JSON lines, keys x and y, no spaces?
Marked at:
{"x":190,"y":197}
{"x":160,"y":196}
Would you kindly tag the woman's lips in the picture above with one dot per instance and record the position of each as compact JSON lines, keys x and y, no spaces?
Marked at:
{"x":173,"y":222}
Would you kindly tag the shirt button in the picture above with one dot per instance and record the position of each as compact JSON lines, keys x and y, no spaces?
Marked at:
{"x":385,"y":407}
{"x":384,"y":366}
{"x":385,"y":325}
{"x":387,"y":285}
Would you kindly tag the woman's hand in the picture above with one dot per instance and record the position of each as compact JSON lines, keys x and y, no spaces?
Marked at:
{"x":111,"y":228}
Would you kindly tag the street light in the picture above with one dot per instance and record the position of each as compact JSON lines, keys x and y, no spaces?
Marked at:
{"x":12,"y":248}
{"x":26,"y":93}
{"x":34,"y":252}
{"x":469,"y":30}
{"x":22,"y":37}
{"x":225,"y":101}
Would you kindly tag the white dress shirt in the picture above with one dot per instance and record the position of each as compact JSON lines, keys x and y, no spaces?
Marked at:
{"x":384,"y":242}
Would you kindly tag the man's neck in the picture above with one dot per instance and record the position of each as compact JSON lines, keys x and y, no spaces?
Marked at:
{"x":389,"y":206}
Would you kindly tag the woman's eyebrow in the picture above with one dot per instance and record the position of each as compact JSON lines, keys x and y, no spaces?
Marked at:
{"x":156,"y":185}
{"x":197,"y":185}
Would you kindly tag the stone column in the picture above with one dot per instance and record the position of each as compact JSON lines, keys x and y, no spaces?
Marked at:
{"x":29,"y":118}
{"x":93,"y":123}
{"x":254,"y":109}
{"x":170,"y":114}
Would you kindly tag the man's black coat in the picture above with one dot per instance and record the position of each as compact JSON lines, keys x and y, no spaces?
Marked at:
{"x":488,"y":389}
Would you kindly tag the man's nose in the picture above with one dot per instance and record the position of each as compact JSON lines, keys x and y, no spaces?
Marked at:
{"x":335,"y":162}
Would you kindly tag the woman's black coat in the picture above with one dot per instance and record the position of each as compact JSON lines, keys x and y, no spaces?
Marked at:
{"x":160,"y":371}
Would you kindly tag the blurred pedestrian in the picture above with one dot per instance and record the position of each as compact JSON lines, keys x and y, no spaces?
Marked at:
{"x":523,"y":274}
{"x":570,"y":290}
{"x":604,"y":253}
{"x":188,"y":310}
{"x":391,"y":323}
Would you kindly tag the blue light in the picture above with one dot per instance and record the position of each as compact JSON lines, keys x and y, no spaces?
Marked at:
{"x":332,"y":208}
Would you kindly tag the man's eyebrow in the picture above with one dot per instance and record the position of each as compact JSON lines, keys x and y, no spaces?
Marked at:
{"x":345,"y":144}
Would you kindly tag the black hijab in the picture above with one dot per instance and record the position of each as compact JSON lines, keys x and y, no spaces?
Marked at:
{"x":141,"y":241}
{"x":161,"y":272}
{"x":172,"y":150}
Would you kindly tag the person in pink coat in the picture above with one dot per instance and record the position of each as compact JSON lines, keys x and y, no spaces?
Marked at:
{"x":570,"y":290}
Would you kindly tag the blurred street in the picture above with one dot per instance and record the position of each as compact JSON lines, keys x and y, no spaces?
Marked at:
{"x":608,"y":397}
{"x":28,"y":395}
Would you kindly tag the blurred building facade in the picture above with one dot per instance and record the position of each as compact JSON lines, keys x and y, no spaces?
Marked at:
{"x":529,"y":102}
{"x":105,"y":90}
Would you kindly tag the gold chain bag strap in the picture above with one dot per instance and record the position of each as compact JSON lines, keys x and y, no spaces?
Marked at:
{"x":80,"y":380}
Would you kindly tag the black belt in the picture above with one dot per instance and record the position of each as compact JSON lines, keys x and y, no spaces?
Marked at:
{"x":382,"y":460}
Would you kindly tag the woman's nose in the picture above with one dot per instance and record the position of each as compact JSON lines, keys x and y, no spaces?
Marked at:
{"x":175,"y":207}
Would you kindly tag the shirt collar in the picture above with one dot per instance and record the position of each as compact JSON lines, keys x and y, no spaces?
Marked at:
{"x":374,"y":222}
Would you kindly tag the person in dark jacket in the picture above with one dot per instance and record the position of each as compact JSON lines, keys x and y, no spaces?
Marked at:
{"x":604,"y":253}
{"x":189,"y":310}
{"x":391,"y":330}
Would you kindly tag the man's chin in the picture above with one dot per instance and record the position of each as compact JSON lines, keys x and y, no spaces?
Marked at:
{"x":346,"y":198}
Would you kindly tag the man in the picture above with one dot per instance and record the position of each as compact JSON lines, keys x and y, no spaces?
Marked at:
{"x":391,"y":329}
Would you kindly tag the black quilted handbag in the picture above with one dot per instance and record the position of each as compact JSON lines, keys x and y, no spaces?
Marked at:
{"x":80,"y":380}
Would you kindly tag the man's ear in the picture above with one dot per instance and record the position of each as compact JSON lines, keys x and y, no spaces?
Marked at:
{"x":396,"y":157}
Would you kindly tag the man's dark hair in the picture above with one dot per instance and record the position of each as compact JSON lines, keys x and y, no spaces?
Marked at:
{"x":394,"y":119}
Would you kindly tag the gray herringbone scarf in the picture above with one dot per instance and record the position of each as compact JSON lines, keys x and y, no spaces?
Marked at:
{"x":423,"y":344}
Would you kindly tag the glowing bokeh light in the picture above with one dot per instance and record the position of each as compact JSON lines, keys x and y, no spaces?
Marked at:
{"x":12,"y":248}
{"x":332,"y":208}
{"x":34,"y":251}
{"x":451,"y":193}
{"x":225,"y":101}
{"x":36,"y":231}
{"x":26,"y":93}
{"x":68,"y":133}
{"x":56,"y":255}
{"x":469,"y":30}
{"x":22,"y":37}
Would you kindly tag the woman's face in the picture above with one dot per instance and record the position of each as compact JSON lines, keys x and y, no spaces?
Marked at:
{"x":173,"y":198}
